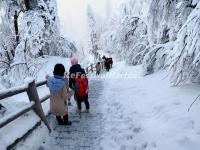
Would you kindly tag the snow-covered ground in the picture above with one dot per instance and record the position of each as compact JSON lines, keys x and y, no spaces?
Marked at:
{"x":143,"y":113}
{"x":147,"y":113}
{"x":138,"y":113}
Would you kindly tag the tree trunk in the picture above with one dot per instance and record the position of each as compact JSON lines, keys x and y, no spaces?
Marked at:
{"x":16,"y":27}
{"x":27,"y":4}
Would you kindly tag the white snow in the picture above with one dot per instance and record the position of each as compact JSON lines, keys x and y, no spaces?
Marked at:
{"x":138,"y":113}
{"x":47,"y":69}
{"x":20,"y":126}
{"x":146,"y":113}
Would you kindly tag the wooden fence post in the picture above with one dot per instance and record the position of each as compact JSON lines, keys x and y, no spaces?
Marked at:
{"x":33,"y":96}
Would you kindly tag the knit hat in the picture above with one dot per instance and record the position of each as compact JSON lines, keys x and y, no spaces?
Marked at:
{"x":74,"y":61}
{"x":59,"y":70}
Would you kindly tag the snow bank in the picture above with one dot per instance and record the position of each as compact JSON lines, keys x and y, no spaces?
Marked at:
{"x":146,"y":113}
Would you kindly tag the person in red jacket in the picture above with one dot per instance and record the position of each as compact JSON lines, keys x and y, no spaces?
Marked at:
{"x":79,"y":83}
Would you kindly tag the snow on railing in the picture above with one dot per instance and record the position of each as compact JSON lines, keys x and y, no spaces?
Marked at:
{"x":35,"y":102}
{"x":12,"y":91}
{"x":9,"y":118}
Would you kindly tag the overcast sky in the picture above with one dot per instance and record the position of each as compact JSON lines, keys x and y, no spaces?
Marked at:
{"x":73,"y":19}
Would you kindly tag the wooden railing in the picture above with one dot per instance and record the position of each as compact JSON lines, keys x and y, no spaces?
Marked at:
{"x":35,"y":103}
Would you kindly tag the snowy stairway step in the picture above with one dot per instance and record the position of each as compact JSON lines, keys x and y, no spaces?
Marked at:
{"x":85,"y":131}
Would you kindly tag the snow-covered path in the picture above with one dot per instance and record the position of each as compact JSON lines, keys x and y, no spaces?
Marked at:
{"x":85,"y":130}
{"x":137,"y":113}
{"x":146,"y":113}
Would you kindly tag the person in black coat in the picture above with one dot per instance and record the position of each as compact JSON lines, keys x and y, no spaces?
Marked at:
{"x":74,"y":71}
{"x":107,"y":64}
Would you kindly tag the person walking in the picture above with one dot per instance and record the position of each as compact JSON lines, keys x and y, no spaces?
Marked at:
{"x":111,"y":62}
{"x":58,"y":95}
{"x":98,"y":68}
{"x":107,"y":64}
{"x":79,"y":83}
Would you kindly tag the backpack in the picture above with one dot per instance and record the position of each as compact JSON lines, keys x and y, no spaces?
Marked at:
{"x":81,"y":86}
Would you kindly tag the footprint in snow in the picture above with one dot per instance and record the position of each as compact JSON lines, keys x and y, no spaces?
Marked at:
{"x":129,"y":137}
{"x":137,"y":129}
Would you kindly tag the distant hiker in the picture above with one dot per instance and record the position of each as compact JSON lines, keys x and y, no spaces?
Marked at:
{"x":79,"y":83}
{"x":107,"y":64}
{"x":98,"y":68}
{"x":111,"y":62}
{"x":104,"y":58}
{"x":59,"y":93}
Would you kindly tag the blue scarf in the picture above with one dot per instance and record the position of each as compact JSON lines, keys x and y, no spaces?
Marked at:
{"x":56,"y":83}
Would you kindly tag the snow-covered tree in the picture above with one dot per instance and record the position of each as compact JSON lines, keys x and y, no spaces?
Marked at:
{"x":94,"y":31}
{"x":127,"y":38}
{"x":132,"y":33}
{"x":7,"y":36}
{"x":30,"y":31}
{"x":157,"y":34}
{"x":156,"y":57}
{"x":166,"y":18}
{"x":185,"y":62}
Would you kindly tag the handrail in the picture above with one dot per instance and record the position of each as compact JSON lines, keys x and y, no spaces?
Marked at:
{"x":12,"y":92}
{"x":19,"y":90}
{"x":17,"y":114}
{"x":35,"y":103}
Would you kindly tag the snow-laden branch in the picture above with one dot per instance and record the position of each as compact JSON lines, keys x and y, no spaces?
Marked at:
{"x":185,"y":62}
{"x":157,"y":57}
